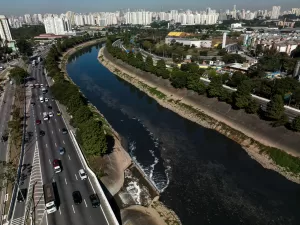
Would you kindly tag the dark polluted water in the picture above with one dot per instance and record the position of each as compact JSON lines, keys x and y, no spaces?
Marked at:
{"x":204,"y":177}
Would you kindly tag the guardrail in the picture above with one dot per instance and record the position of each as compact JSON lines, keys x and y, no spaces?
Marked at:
{"x":112,"y":220}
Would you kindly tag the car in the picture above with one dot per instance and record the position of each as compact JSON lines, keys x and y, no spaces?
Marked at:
{"x":51,"y":114}
{"x":58,"y":113}
{"x":95,"y":200}
{"x":64,"y":131}
{"x":61,"y":150}
{"x":49,"y":107}
{"x":46,"y":99}
{"x":42,"y":133}
{"x":22,"y":193}
{"x":82,"y":174}
{"x":56,"y":166}
{"x":77,"y":197}
{"x":38,"y":121}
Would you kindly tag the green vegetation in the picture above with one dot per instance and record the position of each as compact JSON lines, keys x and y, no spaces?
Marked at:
{"x":90,"y":131}
{"x":283,"y":159}
{"x":25,"y":47}
{"x":18,"y":75}
{"x":27,"y":32}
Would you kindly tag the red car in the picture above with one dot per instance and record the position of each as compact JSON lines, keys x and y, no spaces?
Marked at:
{"x":38,"y":122}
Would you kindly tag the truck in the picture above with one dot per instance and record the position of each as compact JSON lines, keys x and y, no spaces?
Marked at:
{"x":49,"y":197}
{"x":33,"y":62}
{"x":42,"y":99}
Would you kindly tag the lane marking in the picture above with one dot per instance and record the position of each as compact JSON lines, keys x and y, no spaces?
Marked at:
{"x":76,"y":176}
{"x":85,"y":202}
{"x":46,"y":146}
{"x":55,"y":144}
{"x":55,"y":120}
{"x":69,"y":157}
{"x":49,"y":162}
{"x":64,"y":142}
{"x":52,"y":132}
{"x":73,"y":208}
{"x":66,"y":181}
{"x":59,"y":211}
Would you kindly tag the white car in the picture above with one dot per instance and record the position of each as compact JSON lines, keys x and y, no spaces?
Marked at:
{"x":82,"y":174}
{"x":51,"y":114}
{"x":46,"y":99}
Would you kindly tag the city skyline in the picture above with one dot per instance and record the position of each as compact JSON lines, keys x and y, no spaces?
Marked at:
{"x":35,"y":6}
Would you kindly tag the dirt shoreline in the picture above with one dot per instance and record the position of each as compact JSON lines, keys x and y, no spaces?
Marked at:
{"x":207,"y":118}
{"x":114,"y":165}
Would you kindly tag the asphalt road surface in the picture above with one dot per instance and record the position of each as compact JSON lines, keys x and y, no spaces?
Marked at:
{"x":5,"y":110}
{"x":68,"y":180}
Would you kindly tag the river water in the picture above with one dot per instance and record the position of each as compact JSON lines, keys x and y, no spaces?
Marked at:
{"x":204,"y":177}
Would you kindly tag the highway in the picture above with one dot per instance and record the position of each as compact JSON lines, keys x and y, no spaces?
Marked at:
{"x":40,"y":151}
{"x":68,"y":180}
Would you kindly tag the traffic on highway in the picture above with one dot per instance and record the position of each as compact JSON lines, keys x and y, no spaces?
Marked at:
{"x":64,"y":188}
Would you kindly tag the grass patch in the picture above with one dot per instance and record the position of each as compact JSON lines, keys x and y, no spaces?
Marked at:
{"x":157,"y":93}
{"x":283,"y":159}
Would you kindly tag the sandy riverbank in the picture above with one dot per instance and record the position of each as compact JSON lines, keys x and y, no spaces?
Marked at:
{"x":249,"y":139}
{"x":114,"y":164}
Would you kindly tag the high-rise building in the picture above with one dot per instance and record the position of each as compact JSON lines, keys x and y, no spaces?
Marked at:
{"x":296,"y":11}
{"x":275,"y":12}
{"x":5,"y":34}
{"x":57,"y":25}
{"x":27,"y":19}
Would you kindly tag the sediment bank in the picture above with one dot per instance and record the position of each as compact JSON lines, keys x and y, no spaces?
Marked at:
{"x":253,"y":138}
{"x":114,"y":165}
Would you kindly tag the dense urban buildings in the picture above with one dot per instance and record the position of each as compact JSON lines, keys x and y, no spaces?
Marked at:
{"x":59,"y":24}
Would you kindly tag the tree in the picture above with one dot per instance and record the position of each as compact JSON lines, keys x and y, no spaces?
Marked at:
{"x":296,"y":124}
{"x":215,"y":87}
{"x":147,"y":45}
{"x":93,"y":138}
{"x":194,"y":83}
{"x":237,"y":78}
{"x":149,"y":64}
{"x":82,"y":114}
{"x":242,"y":97}
{"x":24,"y":47}
{"x":275,"y":108}
{"x":178,"y":78}
{"x":140,"y":61}
{"x":252,"y":107}
{"x":18,"y":74}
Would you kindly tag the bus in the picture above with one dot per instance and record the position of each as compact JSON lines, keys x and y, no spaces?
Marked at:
{"x":49,"y":197}
{"x":45,"y":116}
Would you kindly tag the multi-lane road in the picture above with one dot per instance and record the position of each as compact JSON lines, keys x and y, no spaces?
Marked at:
{"x":39,"y":156}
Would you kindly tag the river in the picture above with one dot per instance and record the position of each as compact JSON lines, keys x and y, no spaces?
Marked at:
{"x":204,"y":177}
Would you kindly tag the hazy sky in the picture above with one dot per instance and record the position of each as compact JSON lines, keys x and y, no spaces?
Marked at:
{"x":20,"y":7}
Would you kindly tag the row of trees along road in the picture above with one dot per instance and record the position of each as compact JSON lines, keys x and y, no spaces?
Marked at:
{"x":90,"y":131}
{"x":188,"y":76}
